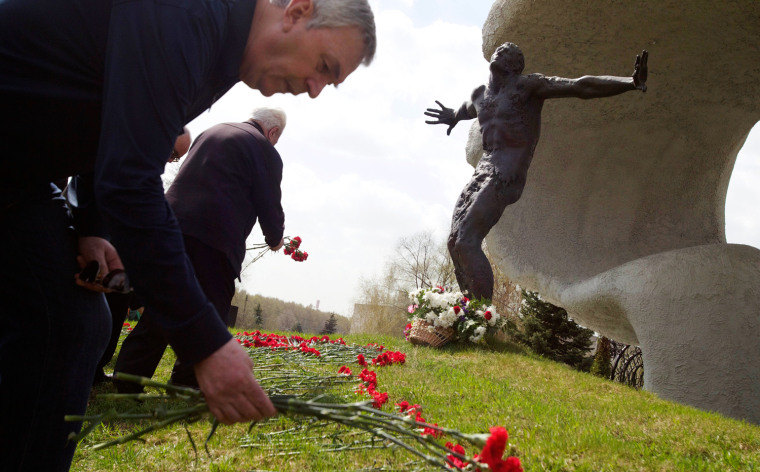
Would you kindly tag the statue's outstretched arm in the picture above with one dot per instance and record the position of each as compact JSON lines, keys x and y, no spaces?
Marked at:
{"x":447,"y":116}
{"x":593,"y":86}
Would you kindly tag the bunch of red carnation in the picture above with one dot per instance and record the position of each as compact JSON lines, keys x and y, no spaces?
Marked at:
{"x":303,"y":347}
{"x":292,"y":250}
{"x":389,"y":358}
{"x":369,"y":387}
{"x":491,"y":455}
{"x":416,"y":412}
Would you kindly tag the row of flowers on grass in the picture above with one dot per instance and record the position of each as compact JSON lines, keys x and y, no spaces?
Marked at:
{"x":492,"y":446}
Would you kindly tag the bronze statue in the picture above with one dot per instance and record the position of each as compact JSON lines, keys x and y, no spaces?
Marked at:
{"x":508,"y":109}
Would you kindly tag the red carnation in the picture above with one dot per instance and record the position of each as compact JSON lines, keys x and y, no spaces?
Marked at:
{"x":455,"y":461}
{"x":494,"y":449}
{"x":487,"y":315}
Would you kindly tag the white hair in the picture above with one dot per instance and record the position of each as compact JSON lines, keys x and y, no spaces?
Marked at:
{"x":339,"y":13}
{"x":270,"y":118}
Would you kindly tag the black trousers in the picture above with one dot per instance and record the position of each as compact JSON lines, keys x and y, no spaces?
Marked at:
{"x":52,"y":334}
{"x":144,"y":347}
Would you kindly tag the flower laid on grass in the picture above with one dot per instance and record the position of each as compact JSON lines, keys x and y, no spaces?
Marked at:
{"x":394,"y":429}
{"x":408,"y":329}
{"x":389,"y":357}
{"x":126,"y":328}
{"x":304,"y":388}
{"x":471,"y":320}
{"x":494,"y":450}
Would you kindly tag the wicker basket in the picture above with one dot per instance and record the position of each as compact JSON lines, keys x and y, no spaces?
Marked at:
{"x":420,"y":335}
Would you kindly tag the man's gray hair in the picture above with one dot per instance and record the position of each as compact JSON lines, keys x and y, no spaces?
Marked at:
{"x":270,"y":117}
{"x":339,"y":13}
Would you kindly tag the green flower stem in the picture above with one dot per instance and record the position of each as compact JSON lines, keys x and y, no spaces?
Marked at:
{"x":199,"y":409}
{"x":389,"y":428}
{"x":146,"y":382}
{"x":370,"y":422}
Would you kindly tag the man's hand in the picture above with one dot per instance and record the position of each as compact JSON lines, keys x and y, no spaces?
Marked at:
{"x":93,"y":248}
{"x":444,"y":116}
{"x":231,"y":391}
{"x":640,"y":71}
{"x":279,"y":245}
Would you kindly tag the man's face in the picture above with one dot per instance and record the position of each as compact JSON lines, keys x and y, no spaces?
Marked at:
{"x":304,"y":60}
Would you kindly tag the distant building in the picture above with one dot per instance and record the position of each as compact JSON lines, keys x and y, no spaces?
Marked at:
{"x":382,"y":319}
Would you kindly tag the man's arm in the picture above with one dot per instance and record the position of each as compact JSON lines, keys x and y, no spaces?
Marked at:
{"x":590,"y":86}
{"x":267,"y":194}
{"x":157,"y":59}
{"x":447,"y":116}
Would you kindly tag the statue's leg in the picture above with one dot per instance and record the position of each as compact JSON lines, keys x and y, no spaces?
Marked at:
{"x":478,"y":209}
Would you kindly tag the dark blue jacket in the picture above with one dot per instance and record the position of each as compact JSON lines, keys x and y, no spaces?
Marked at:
{"x":105,"y":87}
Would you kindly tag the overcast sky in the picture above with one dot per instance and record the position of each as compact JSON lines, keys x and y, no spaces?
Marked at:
{"x":362,"y":169}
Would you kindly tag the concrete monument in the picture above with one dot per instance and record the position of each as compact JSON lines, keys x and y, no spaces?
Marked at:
{"x":622,"y":219}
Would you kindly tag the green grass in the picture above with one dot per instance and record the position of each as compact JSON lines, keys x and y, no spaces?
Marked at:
{"x":558,"y":420}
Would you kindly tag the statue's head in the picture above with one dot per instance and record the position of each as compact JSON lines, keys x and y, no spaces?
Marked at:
{"x":508,"y":58}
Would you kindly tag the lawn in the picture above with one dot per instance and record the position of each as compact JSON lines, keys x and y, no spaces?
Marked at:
{"x":558,"y":420}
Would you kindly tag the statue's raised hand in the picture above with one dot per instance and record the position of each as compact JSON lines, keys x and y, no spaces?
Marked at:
{"x":640,"y":71}
{"x":444,"y":116}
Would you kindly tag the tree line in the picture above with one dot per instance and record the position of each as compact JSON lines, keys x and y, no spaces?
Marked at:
{"x":272,"y":314}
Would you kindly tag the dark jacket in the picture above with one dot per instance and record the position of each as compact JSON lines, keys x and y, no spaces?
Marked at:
{"x":230,"y":178}
{"x":105,"y":87}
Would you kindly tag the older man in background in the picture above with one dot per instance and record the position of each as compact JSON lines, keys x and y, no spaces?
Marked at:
{"x":230,"y":179}
{"x":106,"y":87}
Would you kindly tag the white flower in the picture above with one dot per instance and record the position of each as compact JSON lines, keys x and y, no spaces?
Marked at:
{"x":476,"y":339}
{"x":415,"y":293}
{"x":478,"y":334}
{"x":447,"y":318}
{"x":451,"y":298}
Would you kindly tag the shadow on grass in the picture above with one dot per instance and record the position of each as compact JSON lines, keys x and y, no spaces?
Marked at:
{"x":492,"y":345}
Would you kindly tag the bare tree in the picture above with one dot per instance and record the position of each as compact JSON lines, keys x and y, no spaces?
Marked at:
{"x":381,"y":306}
{"x":421,"y":262}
